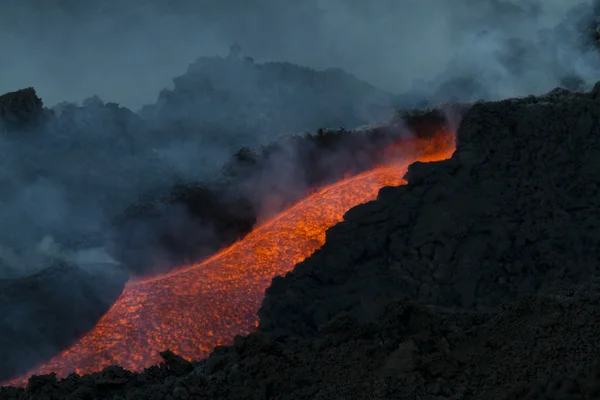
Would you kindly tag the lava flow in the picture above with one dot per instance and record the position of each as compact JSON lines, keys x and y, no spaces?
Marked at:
{"x":194,"y":309}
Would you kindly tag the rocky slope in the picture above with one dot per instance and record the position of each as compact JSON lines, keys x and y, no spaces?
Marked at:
{"x":477,"y":280}
{"x":512,"y":212}
{"x":41,"y":314}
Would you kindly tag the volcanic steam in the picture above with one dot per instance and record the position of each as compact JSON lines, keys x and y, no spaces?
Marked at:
{"x":194,"y":309}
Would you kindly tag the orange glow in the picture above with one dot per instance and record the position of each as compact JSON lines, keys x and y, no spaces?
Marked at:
{"x":194,"y":309}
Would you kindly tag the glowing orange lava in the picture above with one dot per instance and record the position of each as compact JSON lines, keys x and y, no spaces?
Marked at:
{"x":191,"y":310}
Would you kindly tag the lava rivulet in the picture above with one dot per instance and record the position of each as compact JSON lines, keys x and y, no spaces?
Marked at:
{"x":193,"y":309}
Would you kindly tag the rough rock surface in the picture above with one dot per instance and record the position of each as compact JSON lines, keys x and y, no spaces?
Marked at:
{"x":42,"y":313}
{"x":527,"y":351}
{"x":477,"y":280}
{"x":514,"y":211}
{"x":20,"y":109}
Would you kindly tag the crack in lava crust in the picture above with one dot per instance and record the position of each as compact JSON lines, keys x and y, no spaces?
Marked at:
{"x":194,"y":309}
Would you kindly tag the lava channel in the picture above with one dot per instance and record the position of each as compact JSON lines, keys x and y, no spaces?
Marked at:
{"x":194,"y":309}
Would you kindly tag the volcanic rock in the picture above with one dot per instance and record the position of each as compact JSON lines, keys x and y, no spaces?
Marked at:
{"x":20,"y":109}
{"x":43,"y":313}
{"x":409,"y":351}
{"x":511,"y":213}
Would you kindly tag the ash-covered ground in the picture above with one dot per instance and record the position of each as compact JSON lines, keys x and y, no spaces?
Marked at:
{"x":476,"y":280}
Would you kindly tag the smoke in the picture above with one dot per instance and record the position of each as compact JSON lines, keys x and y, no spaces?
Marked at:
{"x":127,"y":52}
{"x":62,"y":184}
{"x":72,"y":177}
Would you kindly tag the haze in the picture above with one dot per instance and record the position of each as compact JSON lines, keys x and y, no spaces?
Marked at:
{"x":128,"y":51}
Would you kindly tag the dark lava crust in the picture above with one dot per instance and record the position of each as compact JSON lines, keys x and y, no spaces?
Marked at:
{"x":477,"y":280}
{"x":513,"y":212}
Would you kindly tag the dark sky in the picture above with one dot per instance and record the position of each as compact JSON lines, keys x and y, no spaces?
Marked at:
{"x":126,"y":51}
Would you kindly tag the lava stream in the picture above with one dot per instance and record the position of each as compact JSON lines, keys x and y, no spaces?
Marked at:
{"x":194,"y":309}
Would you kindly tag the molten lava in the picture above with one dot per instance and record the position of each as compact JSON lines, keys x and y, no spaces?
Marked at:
{"x":194,"y":309}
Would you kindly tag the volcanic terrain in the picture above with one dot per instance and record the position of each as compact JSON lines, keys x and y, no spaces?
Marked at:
{"x":74,"y":241}
{"x":446,"y":253}
{"x":477,"y":280}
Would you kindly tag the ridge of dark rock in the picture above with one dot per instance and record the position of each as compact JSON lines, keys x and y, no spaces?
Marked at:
{"x":19,"y":110}
{"x":512,"y":212}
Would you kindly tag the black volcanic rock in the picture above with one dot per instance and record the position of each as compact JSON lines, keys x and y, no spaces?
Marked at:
{"x":20,"y":109}
{"x":43,"y":313}
{"x":511,"y":213}
{"x":408,"y":351}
